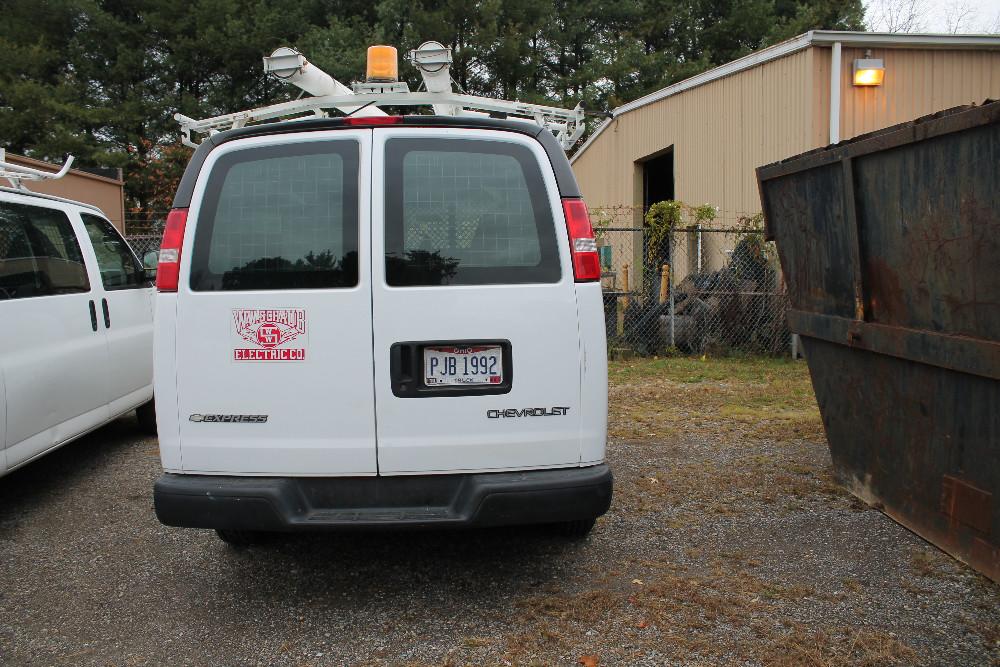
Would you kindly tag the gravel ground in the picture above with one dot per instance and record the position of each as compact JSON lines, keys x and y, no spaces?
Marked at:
{"x":774,"y":567}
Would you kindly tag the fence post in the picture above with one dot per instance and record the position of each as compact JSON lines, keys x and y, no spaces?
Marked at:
{"x":698,"y":228}
{"x":625,"y":284}
{"x":664,"y":282}
{"x":670,"y":264}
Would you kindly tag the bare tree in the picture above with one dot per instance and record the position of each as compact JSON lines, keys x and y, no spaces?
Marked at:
{"x":994,"y":27}
{"x":959,"y":16}
{"x":897,"y":15}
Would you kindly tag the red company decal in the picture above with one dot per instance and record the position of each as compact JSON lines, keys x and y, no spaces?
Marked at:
{"x":269,"y":331}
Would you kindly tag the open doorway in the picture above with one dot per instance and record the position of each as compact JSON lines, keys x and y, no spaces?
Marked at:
{"x":657,"y":186}
{"x":658,"y":178}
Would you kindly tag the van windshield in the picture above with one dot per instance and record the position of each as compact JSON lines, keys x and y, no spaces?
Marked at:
{"x":279,"y":217}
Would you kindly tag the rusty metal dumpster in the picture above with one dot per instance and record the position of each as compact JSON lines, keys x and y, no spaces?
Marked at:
{"x":890,"y":248}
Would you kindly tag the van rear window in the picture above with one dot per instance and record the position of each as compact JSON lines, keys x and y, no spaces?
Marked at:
{"x":279,"y":217}
{"x":466,"y":212}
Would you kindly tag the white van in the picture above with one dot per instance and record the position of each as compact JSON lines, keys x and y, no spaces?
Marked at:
{"x":76,"y":326}
{"x":380,"y":322}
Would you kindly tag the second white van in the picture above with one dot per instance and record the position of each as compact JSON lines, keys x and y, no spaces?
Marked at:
{"x":76,"y":326}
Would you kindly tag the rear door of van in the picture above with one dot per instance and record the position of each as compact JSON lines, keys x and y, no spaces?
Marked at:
{"x":273,"y":317}
{"x":476,"y":339}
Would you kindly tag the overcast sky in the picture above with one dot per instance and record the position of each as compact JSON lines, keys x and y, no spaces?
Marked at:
{"x":975,"y":16}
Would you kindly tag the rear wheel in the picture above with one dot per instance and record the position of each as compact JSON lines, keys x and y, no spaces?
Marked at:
{"x":146,"y":414}
{"x":241,"y":539}
{"x":575,"y":530}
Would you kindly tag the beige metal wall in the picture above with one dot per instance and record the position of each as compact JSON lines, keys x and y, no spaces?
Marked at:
{"x":720,"y":131}
{"x":917,"y":82}
{"x":106,"y":194}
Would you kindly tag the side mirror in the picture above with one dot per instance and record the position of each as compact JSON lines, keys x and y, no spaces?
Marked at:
{"x":149,"y":262}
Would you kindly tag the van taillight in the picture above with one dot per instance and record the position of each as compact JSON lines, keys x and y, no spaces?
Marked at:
{"x":168,"y":268}
{"x":582,"y":244}
{"x":366,"y":121}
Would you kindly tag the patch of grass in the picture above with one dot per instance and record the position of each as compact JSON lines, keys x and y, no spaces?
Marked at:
{"x":756,"y":397}
{"x":586,"y":607}
{"x":990,"y":634}
{"x":475,"y":642}
{"x":701,"y":369}
{"x":928,"y":561}
{"x":844,"y":647}
{"x":853,"y":586}
{"x":716,"y":434}
{"x":774,"y":421}
{"x":675,"y":612}
{"x":700,"y":489}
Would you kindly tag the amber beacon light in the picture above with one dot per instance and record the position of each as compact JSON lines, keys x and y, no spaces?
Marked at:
{"x":869,"y":71}
{"x":383,"y":65}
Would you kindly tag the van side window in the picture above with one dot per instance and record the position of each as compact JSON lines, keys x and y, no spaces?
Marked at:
{"x":39,"y":253}
{"x":119,"y":267}
{"x":466,"y":212}
{"x":279,"y":217}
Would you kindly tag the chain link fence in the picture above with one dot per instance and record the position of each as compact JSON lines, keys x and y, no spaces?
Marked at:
{"x":713,"y":288}
{"x":704,"y":289}
{"x":144,"y":231}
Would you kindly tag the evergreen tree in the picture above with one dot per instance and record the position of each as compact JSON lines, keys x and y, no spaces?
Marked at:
{"x":101,"y":79}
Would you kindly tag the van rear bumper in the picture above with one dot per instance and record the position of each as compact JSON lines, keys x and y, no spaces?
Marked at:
{"x":419,"y":501}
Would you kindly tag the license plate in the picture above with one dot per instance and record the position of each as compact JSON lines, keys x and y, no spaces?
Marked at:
{"x":474,"y":365}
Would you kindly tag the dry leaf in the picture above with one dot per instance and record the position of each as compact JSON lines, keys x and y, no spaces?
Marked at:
{"x":589,"y":660}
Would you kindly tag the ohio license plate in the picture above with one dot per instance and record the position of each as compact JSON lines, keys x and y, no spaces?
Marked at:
{"x":472,"y":365}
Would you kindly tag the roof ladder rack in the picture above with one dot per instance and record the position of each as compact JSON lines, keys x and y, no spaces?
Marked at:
{"x":432,"y":60}
{"x":16,"y":173}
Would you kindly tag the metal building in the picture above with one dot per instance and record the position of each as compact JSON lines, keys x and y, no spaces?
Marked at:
{"x":699,"y":140}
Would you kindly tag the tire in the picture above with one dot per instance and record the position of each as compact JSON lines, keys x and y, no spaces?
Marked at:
{"x":575,"y":530}
{"x":146,"y":414}
{"x":241,"y":539}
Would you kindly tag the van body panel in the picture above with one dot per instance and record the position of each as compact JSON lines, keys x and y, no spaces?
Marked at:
{"x":593,"y":374}
{"x":3,"y":421}
{"x":55,"y":368}
{"x":130,"y":342}
{"x":128,"y":328}
{"x":165,"y":380}
{"x":464,"y":432}
{"x":303,"y":406}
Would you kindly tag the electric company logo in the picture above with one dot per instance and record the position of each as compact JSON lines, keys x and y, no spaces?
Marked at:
{"x":270,"y":330}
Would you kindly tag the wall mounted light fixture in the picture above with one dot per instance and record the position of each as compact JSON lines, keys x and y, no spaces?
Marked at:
{"x":869,"y":71}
